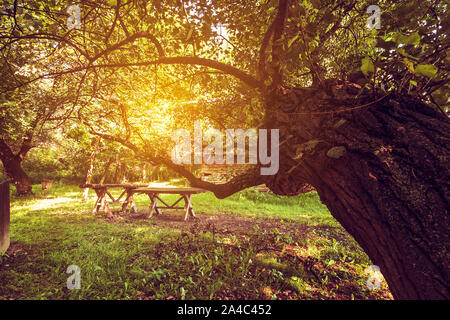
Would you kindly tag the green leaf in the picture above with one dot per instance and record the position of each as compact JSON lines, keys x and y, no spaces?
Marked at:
{"x":387,"y":45}
{"x":405,"y":54}
{"x":409,"y":64}
{"x":336,"y":152}
{"x":412,"y":39}
{"x":426,"y":70}
{"x":311,"y":144}
{"x":367,"y":66}
{"x":441,"y":96}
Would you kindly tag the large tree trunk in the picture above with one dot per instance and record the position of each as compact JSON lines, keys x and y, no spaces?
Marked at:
{"x":382,"y":169}
{"x":381,"y":165}
{"x":12,"y":165}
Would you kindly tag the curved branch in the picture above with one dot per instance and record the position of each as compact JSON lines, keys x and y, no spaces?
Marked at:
{"x":248,"y":179}
{"x":131,"y":39}
{"x":237,"y":73}
{"x":245,"y":180}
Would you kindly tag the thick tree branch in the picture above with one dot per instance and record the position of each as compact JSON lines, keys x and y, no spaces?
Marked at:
{"x":248,"y":179}
{"x":131,"y":39}
{"x":237,"y":73}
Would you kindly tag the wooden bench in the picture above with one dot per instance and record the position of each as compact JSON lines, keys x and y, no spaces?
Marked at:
{"x":102,"y":190}
{"x":185,"y":193}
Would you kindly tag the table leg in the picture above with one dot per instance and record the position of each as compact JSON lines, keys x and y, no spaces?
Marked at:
{"x":188,"y":206}
{"x":192,"y":208}
{"x":153,"y":201}
{"x":95,"y":209}
{"x":129,"y":201}
{"x":156,"y":205}
{"x":105,"y":207}
{"x":133,"y":206}
{"x":102,"y":203}
{"x":99,"y":203}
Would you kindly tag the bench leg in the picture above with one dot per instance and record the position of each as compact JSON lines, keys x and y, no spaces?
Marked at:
{"x":102,"y":203}
{"x":188,"y":207}
{"x":156,"y":206}
{"x":133,"y":206}
{"x":129,"y":201}
{"x":99,"y":203}
{"x":96,"y":207}
{"x":105,"y":207}
{"x":153,"y":201}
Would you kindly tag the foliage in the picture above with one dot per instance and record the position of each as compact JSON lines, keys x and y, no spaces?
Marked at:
{"x":113,"y":75}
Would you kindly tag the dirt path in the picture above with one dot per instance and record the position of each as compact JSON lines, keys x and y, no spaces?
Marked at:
{"x":226,"y":223}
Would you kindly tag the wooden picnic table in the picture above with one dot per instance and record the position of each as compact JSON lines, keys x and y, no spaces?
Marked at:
{"x":152,"y":192}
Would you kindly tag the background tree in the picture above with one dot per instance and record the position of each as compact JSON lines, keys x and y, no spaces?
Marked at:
{"x":30,"y":110}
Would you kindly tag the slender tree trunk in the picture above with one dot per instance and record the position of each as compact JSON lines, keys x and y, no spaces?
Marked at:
{"x":12,"y":165}
{"x":123,"y":172}
{"x":117,"y":171}
{"x":105,"y":172}
{"x":91,"y":168}
{"x":383,"y":172}
{"x":144,"y":172}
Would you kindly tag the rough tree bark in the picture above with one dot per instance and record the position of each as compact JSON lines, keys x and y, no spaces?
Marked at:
{"x":380,"y":164}
{"x":12,"y":165}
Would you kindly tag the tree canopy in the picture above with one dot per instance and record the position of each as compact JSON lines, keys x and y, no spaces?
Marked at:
{"x":137,"y":70}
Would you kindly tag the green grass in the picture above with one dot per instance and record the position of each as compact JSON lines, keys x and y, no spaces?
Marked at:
{"x":147,"y":259}
{"x":305,"y":208}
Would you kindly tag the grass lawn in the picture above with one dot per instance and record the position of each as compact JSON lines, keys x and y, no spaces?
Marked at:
{"x":251,"y":245}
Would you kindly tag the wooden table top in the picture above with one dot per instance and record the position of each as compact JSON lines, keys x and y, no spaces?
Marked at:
{"x":113,"y":185}
{"x":145,"y":188}
{"x":171,"y":190}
